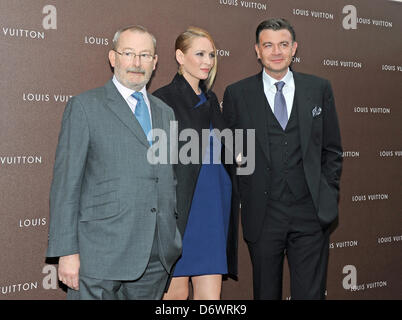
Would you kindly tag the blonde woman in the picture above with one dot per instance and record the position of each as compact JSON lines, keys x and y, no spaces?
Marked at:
{"x":204,"y":189}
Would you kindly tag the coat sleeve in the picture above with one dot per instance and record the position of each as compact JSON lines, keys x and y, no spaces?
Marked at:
{"x":331,"y":157}
{"x":69,"y":167}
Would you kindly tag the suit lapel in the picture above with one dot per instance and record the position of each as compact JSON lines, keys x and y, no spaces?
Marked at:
{"x":156,"y":114}
{"x":157,"y":121}
{"x":303,"y":105}
{"x":257,"y":109}
{"x":120,"y":108}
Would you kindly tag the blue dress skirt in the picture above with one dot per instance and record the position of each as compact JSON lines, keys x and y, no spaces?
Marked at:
{"x":205,"y":236}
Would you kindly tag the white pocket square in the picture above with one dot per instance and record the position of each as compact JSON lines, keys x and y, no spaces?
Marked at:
{"x":316,"y":111}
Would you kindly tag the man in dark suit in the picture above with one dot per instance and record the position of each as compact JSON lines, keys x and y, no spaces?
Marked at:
{"x":291,"y":199}
{"x":112,"y":212}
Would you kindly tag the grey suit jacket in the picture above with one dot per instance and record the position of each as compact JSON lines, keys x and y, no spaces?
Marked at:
{"x":106,"y":199}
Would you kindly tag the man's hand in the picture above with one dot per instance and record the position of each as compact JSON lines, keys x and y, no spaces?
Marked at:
{"x":69,"y":267}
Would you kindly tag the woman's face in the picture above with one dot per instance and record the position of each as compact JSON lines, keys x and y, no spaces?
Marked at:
{"x":198,"y":60}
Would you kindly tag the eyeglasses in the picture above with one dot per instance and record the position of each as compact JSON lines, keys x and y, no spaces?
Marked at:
{"x":128,"y":55}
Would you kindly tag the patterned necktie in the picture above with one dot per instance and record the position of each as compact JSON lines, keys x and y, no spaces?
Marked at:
{"x":280,"y":110}
{"x":142,"y":114}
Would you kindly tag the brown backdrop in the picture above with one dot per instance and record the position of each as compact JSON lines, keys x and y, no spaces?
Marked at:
{"x":51,"y":50}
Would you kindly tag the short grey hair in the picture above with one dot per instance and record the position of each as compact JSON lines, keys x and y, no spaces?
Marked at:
{"x":132,"y":28}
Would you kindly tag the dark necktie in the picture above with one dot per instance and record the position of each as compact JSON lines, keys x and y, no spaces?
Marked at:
{"x":280,"y":110}
{"x":142,"y":114}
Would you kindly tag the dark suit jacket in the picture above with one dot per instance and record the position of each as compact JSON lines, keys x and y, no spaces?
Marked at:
{"x":106,"y":199}
{"x":245,"y":106}
{"x":181,"y":98}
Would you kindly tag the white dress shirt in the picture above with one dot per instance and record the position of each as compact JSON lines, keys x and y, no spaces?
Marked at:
{"x":131,"y":101}
{"x":288,"y":89}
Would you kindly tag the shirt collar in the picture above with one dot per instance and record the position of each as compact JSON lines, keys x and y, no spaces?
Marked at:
{"x":288,"y":79}
{"x":127,"y":92}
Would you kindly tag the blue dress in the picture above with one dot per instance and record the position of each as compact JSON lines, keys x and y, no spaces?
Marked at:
{"x":205,"y":236}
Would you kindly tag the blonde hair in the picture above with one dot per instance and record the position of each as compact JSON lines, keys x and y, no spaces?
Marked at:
{"x":183,"y":43}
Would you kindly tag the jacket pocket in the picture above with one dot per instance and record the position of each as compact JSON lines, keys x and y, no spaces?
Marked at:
{"x":101,"y":211}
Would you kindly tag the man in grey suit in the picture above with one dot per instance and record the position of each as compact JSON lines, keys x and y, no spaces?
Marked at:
{"x":112,"y":212}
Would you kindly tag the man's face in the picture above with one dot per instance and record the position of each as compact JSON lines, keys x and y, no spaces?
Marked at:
{"x":275,"y":49}
{"x":133,"y":73}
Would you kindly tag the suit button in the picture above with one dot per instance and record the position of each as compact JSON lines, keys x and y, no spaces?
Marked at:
{"x":156,"y":180}
{"x":153,"y":210}
{"x":268,"y":168}
{"x":265,"y":192}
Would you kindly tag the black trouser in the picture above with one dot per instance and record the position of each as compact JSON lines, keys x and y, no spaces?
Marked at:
{"x":291,"y":228}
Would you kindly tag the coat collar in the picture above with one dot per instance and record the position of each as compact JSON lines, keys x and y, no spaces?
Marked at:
{"x":187,"y":91}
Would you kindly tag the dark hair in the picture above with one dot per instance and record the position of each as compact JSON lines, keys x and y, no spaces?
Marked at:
{"x":275,"y":24}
